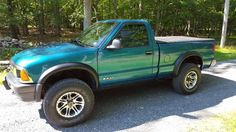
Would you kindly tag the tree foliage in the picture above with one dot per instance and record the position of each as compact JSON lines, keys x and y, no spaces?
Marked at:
{"x":168,"y":17}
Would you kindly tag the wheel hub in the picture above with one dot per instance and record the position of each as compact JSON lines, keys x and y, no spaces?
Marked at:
{"x":70,"y":104}
{"x":191,"y":80}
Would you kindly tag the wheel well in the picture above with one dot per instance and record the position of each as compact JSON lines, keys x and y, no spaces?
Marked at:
{"x":193,"y":59}
{"x":82,"y":75}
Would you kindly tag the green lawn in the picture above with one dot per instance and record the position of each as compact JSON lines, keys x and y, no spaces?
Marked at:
{"x":229,"y":121}
{"x":220,"y":123}
{"x":227,"y":53}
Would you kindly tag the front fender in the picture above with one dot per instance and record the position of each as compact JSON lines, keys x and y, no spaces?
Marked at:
{"x":62,"y":67}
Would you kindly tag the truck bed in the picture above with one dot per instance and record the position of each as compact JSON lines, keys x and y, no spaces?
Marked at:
{"x":172,"y":47}
{"x":172,"y":39}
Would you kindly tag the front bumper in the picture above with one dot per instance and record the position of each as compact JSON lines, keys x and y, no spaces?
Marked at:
{"x":26,"y":92}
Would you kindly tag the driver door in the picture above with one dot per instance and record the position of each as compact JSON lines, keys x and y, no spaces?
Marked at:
{"x":132,"y":61}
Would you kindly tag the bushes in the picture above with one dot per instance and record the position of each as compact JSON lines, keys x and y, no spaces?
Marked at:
{"x":10,"y":46}
{"x":7,"y":53}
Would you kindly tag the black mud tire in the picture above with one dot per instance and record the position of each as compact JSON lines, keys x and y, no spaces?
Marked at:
{"x":178,"y":82}
{"x":56,"y":91}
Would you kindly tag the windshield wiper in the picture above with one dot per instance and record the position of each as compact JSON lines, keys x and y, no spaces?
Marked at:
{"x":78,"y":42}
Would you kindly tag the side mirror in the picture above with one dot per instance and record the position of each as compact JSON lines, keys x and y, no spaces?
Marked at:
{"x":116,"y":44}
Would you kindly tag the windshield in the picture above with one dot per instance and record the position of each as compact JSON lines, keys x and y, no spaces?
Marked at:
{"x":94,"y":34}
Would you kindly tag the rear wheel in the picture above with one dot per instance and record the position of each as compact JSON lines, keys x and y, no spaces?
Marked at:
{"x":188,"y":79}
{"x":68,"y":103}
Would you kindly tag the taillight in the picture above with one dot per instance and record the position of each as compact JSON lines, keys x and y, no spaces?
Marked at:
{"x":213,"y":47}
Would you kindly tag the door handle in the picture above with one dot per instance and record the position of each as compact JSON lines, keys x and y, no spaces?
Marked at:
{"x":148,"y":52}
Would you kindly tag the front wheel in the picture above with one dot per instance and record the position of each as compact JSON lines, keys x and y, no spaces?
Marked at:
{"x":188,"y":79}
{"x":68,"y":103}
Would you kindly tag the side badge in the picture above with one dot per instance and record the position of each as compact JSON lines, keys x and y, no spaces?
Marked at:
{"x":107,"y":78}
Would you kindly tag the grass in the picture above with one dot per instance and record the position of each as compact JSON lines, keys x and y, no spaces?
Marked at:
{"x":227,"y":53}
{"x":228,"y":121}
{"x":6,"y":53}
{"x":2,"y":75}
{"x":220,"y":123}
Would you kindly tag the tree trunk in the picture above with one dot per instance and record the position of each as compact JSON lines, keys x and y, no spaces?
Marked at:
{"x":225,"y":23}
{"x":25,"y":27}
{"x":12,"y":25}
{"x":115,"y":5}
{"x":41,"y":25}
{"x":188,"y":27}
{"x":95,"y":13}
{"x":87,"y":13}
{"x":140,"y":9}
{"x":57,"y":19}
{"x":95,"y":9}
{"x":157,"y":17}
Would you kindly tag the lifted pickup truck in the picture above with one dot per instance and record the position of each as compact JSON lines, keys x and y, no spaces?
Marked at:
{"x":110,"y":52}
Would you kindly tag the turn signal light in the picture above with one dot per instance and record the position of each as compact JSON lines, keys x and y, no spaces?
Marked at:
{"x":24,"y":76}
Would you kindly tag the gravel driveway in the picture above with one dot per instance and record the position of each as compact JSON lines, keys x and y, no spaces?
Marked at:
{"x":147,"y":106}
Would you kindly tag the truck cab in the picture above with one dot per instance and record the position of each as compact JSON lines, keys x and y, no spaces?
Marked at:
{"x":136,"y":57}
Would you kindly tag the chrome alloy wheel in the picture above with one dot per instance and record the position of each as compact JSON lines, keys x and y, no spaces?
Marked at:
{"x":191,"y":80}
{"x":70,"y":104}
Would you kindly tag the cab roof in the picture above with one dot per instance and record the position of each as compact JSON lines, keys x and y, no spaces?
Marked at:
{"x":124,"y":20}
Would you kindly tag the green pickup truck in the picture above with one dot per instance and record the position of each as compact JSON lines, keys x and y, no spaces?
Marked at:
{"x":111,"y":52}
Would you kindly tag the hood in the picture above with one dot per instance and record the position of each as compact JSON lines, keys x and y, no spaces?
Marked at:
{"x":51,"y":51}
{"x":37,"y":60}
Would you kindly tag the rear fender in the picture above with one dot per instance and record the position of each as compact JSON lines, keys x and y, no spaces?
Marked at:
{"x":182,"y":58}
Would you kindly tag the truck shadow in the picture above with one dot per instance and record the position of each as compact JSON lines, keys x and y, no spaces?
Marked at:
{"x":133,"y":105}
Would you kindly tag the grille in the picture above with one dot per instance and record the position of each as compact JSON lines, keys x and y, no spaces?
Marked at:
{"x":15,"y":71}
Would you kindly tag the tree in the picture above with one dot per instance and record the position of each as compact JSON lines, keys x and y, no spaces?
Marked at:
{"x":23,"y":11}
{"x":12,"y":24}
{"x":41,"y":25}
{"x":87,"y":13}
{"x":56,"y":17}
{"x":168,"y":17}
{"x":225,"y":23}
{"x":115,"y":8}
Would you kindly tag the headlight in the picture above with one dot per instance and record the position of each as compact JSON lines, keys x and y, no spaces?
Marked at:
{"x":20,"y":73}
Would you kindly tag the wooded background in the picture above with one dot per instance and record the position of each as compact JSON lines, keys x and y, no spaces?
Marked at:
{"x":168,"y":17}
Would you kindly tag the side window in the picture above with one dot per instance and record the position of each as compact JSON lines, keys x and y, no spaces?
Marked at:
{"x":133,"y":35}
